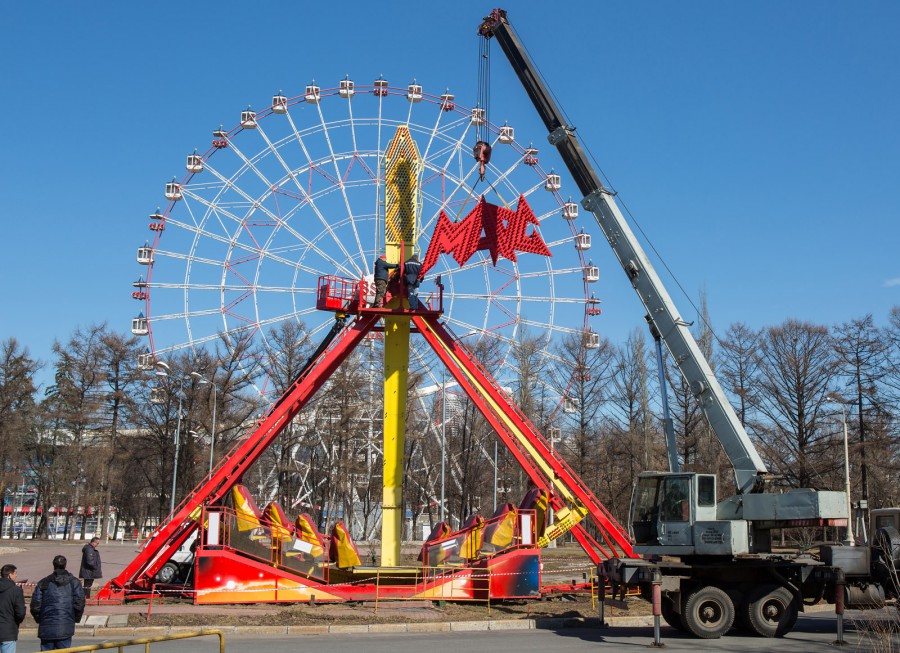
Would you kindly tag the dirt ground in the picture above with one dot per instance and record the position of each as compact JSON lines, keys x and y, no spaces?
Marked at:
{"x":568,"y":607}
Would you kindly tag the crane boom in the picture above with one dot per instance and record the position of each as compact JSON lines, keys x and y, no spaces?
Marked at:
{"x":661,"y":311}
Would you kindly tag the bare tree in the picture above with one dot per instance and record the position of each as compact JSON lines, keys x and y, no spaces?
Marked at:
{"x":740,"y":361}
{"x":796,"y":371}
{"x":862,"y":354}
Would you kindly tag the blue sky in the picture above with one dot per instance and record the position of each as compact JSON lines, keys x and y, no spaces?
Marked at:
{"x":757,"y":144}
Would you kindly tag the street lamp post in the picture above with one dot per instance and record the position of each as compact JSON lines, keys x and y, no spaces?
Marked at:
{"x":162,"y":371}
{"x":212,"y":434}
{"x":838,"y":400}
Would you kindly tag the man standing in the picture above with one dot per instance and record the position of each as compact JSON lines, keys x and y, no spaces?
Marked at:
{"x":57,"y":605}
{"x":382,"y":272}
{"x":411,"y":270}
{"x":12,"y":609}
{"x":90,"y":565}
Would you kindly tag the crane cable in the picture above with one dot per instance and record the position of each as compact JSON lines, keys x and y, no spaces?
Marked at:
{"x":483,"y":92}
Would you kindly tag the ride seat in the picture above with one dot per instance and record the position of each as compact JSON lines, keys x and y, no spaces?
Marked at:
{"x":306,"y":531}
{"x":473,"y":532}
{"x":342,"y":551}
{"x":275,"y":518}
{"x":500,"y":529}
{"x":248,"y":515}
{"x":432,"y":552}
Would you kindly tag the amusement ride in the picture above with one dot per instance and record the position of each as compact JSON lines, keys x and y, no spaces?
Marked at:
{"x":280,"y":220}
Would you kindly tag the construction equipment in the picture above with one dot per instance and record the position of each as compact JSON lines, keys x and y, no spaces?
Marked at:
{"x":713,"y":560}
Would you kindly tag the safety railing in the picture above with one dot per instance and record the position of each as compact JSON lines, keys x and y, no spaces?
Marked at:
{"x":146,"y":642}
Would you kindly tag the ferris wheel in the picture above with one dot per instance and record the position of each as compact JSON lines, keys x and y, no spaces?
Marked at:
{"x":295,"y":192}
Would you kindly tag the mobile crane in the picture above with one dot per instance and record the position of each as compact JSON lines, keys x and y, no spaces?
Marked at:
{"x":713,"y":560}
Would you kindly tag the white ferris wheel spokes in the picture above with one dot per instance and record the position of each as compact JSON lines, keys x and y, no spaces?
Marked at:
{"x":295,"y":192}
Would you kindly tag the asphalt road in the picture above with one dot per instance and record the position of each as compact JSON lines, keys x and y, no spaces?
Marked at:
{"x":813,"y":633}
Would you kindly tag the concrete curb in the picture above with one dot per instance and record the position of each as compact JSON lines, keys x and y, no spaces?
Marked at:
{"x":125,"y":632}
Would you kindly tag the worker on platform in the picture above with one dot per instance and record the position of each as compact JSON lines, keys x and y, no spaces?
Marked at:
{"x":411,"y":270}
{"x":382,"y":272}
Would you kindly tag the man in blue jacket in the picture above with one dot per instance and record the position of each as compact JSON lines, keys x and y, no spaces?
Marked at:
{"x":411,"y":270}
{"x":57,"y":605}
{"x":12,"y":609}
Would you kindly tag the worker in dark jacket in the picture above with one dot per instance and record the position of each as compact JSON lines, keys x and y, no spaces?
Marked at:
{"x":382,"y":273}
{"x":12,"y":609}
{"x":57,"y":605}
{"x":90,"y":565}
{"x":411,"y":270}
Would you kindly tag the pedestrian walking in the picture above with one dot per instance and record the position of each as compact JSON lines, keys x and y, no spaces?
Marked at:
{"x":411,"y":270}
{"x":90,"y":565}
{"x":382,"y":268}
{"x":12,"y":609}
{"x":57,"y":605}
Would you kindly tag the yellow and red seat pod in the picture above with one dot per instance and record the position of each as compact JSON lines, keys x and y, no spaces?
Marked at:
{"x":342,"y":551}
{"x":501,"y":527}
{"x":306,"y":531}
{"x":248,"y":515}
{"x":277,"y":520}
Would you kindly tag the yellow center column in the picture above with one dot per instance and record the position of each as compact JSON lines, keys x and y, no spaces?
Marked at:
{"x":402,"y":166}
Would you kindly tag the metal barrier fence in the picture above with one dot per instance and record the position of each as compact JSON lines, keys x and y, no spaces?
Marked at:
{"x":146,"y":641}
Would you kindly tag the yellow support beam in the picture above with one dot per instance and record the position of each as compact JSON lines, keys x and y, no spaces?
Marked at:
{"x":402,"y":168}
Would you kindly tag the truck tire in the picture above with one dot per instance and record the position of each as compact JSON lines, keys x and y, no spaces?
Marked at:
{"x":708,"y":613}
{"x":168,"y":573}
{"x":771,"y":611}
{"x":670,"y":615}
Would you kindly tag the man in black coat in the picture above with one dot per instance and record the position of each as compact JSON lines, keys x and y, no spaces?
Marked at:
{"x":57,"y":605}
{"x":90,"y":565}
{"x":12,"y":609}
{"x":382,"y":274}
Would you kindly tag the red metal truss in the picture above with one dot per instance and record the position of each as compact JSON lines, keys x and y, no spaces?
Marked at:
{"x":183,"y":521}
{"x":490,"y":399}
{"x":527,"y":445}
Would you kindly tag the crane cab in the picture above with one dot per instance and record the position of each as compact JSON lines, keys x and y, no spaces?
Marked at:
{"x":675,"y":514}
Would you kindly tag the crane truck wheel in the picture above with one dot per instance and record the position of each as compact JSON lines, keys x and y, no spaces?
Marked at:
{"x":708,"y":612}
{"x":770,"y":611}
